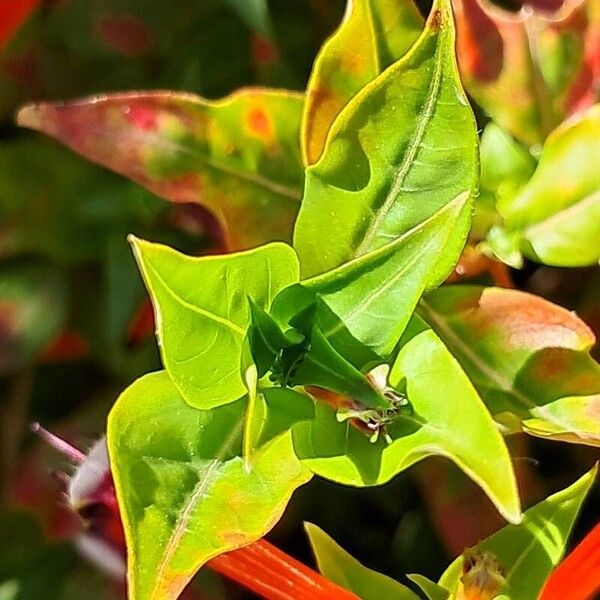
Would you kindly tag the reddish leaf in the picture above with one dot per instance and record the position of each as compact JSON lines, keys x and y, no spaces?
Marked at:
{"x":545,"y":63}
{"x":239,"y":157}
{"x":528,"y":358}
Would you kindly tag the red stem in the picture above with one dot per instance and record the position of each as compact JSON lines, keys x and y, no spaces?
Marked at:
{"x":272,"y":574}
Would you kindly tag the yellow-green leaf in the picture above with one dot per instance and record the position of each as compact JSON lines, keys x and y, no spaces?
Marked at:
{"x":202,"y":312}
{"x":183,"y":488}
{"x":373,"y":35}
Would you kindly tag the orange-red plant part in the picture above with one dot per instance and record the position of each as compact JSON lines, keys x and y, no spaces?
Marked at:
{"x":13,"y":13}
{"x":266,"y":570}
{"x":578,"y":576}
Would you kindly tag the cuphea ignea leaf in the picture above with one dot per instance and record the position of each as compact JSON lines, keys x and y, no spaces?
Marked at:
{"x":537,"y":60}
{"x":203,"y":315}
{"x":506,"y":166}
{"x":342,"y":568}
{"x":446,"y":417}
{"x":183,"y":488}
{"x":373,"y":35}
{"x":528,"y":358}
{"x":364,"y":305}
{"x":400,"y":152}
{"x":555,"y":218}
{"x":239,"y":156}
{"x":528,"y":551}
{"x":432,"y":590}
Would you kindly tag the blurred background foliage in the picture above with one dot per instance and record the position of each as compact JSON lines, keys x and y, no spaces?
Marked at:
{"x":75,"y":325}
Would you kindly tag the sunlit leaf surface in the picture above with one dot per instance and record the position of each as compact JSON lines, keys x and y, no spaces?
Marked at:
{"x":183,"y":487}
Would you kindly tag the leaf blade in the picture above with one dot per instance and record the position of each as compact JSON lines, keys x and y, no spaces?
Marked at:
{"x":237,"y":156}
{"x":202,"y":319}
{"x":186,"y":497}
{"x":528,"y":358}
{"x":530,"y":549}
{"x":341,"y":568}
{"x":352,"y":196}
{"x":340,"y":452}
{"x":554,"y":219}
{"x":372,"y":35}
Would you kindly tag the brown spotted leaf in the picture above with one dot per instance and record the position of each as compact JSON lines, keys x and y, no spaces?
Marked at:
{"x":529,"y":70}
{"x":528,"y":358}
{"x":239,"y":156}
{"x":373,"y":35}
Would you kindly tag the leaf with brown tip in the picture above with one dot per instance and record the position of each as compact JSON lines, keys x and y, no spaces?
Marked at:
{"x":528,"y":358}
{"x":373,"y":35}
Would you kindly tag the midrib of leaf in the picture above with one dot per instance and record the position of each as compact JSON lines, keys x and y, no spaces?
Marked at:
{"x":503,"y":383}
{"x":389,"y":248}
{"x":155,"y":141}
{"x":530,"y":547}
{"x":548,"y":222}
{"x":376,"y":293}
{"x":196,"y":495}
{"x":201,"y":311}
{"x":404,"y":168}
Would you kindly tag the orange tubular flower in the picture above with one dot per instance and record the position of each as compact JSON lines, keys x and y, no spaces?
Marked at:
{"x":577,"y":577}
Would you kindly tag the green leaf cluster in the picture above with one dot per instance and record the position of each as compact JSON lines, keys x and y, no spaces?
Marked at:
{"x":331,"y":349}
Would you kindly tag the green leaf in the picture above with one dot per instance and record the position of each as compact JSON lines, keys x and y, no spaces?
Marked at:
{"x":448,"y":419}
{"x":555,"y":219}
{"x":267,"y":338}
{"x":528,"y":358}
{"x":323,"y":366}
{"x":239,"y":156}
{"x":275,"y":411}
{"x":401,"y":152}
{"x":183,"y":489}
{"x":341,"y":568}
{"x":202,"y":312}
{"x":506,"y":166}
{"x":432,"y":590}
{"x":365,"y":304}
{"x":33,"y":309}
{"x":530,"y":550}
{"x":373,"y":35}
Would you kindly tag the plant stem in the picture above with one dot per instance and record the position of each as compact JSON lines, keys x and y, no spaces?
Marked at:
{"x":271,"y":573}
